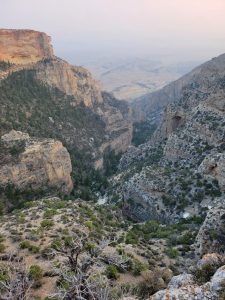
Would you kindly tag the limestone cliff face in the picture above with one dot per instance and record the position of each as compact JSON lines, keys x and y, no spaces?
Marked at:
{"x":24,"y":46}
{"x":109,"y":120}
{"x":116,"y":116}
{"x":34,"y":163}
{"x":28,"y":49}
{"x":73,"y":81}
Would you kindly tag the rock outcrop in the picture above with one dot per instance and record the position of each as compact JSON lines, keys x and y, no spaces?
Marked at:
{"x":35,"y":164}
{"x":24,"y":46}
{"x":73,"y":81}
{"x":210,"y":237}
{"x":183,"y":287}
{"x":213,"y":166}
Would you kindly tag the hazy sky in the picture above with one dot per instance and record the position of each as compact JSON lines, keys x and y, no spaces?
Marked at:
{"x":89,"y":29}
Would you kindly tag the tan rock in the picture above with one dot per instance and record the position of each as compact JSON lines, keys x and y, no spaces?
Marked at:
{"x":43,"y":164}
{"x":24,"y":46}
{"x":72,"y":80}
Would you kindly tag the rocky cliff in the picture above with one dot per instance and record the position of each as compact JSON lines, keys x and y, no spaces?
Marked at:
{"x":184,"y":287}
{"x":35,"y":164}
{"x":179,"y":173}
{"x":46,"y":96}
{"x":24,"y":46}
{"x":73,"y":81}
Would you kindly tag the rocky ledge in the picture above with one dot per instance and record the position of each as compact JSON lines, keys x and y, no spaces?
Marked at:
{"x":183,"y":287}
{"x":30,"y":163}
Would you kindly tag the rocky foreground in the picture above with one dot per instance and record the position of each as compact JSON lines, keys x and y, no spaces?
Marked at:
{"x":54,"y":249}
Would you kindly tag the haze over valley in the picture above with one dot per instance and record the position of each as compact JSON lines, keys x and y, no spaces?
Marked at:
{"x":132,"y":78}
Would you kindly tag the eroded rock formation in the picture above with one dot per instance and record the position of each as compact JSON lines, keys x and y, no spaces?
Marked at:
{"x":24,"y":46}
{"x":31,"y":163}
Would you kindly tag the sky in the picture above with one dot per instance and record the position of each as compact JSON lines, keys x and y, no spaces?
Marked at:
{"x":85,"y":30}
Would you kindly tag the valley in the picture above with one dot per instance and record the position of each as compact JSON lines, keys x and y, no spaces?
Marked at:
{"x":129,"y":79}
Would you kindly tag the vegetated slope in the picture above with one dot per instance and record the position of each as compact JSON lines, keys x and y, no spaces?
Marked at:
{"x":29,"y":105}
{"x":69,"y":247}
{"x":46,"y":97}
{"x":179,"y":173}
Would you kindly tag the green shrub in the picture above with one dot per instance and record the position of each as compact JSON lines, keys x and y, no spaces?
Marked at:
{"x":27,"y":245}
{"x":36,"y":274}
{"x":203,"y":274}
{"x":138,"y":267}
{"x":89,"y":225}
{"x":112,"y":272}
{"x":2,"y":247}
{"x":168,"y":201}
{"x":4,"y":275}
{"x":1,"y":238}
{"x":187,"y":238}
{"x":172,"y":252}
{"x":47,"y":224}
{"x":49,"y":213}
{"x":132,"y":238}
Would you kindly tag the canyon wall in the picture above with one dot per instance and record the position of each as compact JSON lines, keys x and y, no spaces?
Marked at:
{"x":24,"y":46}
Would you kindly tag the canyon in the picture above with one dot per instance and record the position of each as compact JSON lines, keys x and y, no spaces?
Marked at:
{"x":65,"y":143}
{"x":58,"y":100}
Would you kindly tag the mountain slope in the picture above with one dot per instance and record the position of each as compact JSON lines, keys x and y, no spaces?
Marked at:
{"x":179,"y":173}
{"x":157,"y":101}
{"x":47,"y":97}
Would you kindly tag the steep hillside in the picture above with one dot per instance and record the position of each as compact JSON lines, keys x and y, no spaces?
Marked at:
{"x":179,"y":173}
{"x":47,"y":97}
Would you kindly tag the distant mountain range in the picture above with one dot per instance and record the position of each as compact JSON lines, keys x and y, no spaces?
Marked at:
{"x":132,"y":78}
